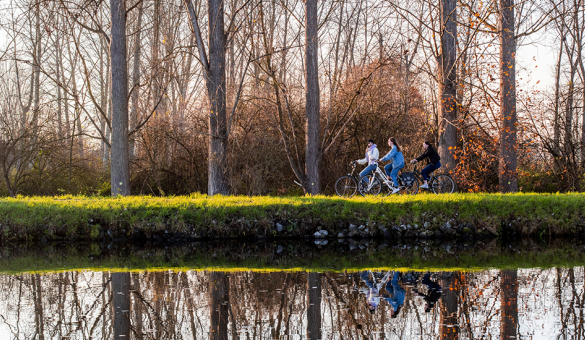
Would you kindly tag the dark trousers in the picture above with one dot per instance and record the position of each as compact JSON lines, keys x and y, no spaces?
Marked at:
{"x":428,"y":169}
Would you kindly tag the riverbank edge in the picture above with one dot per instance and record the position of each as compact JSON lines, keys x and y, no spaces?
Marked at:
{"x":341,"y":255}
{"x":196,"y":217}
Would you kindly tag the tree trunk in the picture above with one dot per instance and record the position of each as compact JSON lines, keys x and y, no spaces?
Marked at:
{"x":447,"y":84}
{"x":107,"y":151}
{"x":509,"y":300}
{"x":154,"y":61}
{"x":136,"y":78}
{"x":557,"y":126}
{"x":104,"y":83}
{"x":67,"y":129}
{"x":76,"y":109}
{"x":508,"y":143}
{"x":578,"y":35}
{"x":37,"y":74}
{"x":219,"y":305}
{"x":121,"y":303}
{"x":79,"y":131}
{"x":217,"y":99}
{"x":120,"y":168}
{"x":312,"y":151}
{"x":108,"y":132}
{"x":314,"y":306}
{"x":58,"y":62}
{"x":569,"y":114}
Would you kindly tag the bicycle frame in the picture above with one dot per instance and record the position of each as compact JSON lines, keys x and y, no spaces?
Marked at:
{"x":381,"y":176}
{"x":352,"y":173}
{"x":418,"y":175}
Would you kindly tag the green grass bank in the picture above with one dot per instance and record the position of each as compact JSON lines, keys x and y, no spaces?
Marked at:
{"x":201,"y":217}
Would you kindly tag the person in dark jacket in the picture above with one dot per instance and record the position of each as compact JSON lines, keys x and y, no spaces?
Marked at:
{"x":433,"y":292}
{"x":434,"y":162}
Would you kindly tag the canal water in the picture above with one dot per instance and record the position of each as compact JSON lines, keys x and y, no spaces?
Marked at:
{"x":127,"y":292}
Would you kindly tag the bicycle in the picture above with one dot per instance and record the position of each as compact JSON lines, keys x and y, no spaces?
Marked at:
{"x":440,"y":184}
{"x":346,"y":186}
{"x":378,"y":181}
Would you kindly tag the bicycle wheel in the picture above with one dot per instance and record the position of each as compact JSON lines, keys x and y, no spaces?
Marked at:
{"x":442,"y":184}
{"x":409,"y":190}
{"x":369,"y":187}
{"x":346,"y":186}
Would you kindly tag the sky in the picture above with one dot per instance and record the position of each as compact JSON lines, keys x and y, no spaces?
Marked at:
{"x":536,"y":61}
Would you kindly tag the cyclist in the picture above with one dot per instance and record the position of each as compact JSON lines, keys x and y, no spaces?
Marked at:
{"x":434,"y":162}
{"x":395,"y":155}
{"x":372,"y":291}
{"x":396,"y":297}
{"x":433,"y":292}
{"x":372,"y":155}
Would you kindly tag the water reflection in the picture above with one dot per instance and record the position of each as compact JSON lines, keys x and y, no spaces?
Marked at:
{"x":509,"y":304}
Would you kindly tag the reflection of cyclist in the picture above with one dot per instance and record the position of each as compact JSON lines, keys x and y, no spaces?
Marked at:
{"x":373,"y":290}
{"x":433,"y":292}
{"x":372,"y":155}
{"x":396,"y":295}
{"x":434,"y":162}
{"x":397,"y":162}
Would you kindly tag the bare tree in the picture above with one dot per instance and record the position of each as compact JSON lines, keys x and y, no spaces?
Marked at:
{"x":120,"y":169}
{"x":214,"y":70}
{"x":136,"y":76}
{"x":312,"y":183}
{"x":508,"y":175}
{"x":447,"y":79}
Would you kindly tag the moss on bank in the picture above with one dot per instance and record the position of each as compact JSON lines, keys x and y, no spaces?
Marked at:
{"x":200,"y":216}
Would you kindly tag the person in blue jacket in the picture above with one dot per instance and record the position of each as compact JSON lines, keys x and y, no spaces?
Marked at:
{"x":395,"y":155}
{"x":396,"y":295}
{"x":372,"y":291}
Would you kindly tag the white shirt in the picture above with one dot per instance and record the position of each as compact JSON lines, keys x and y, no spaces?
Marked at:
{"x":374,"y":154}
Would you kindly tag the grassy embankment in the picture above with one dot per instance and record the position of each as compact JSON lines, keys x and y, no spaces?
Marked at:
{"x":200,"y":216}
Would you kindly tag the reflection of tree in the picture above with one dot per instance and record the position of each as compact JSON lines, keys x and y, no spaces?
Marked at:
{"x":137,"y":307}
{"x":351,"y":310}
{"x":280,"y":305}
{"x":568,"y":309}
{"x":314,"y":306}
{"x":281,"y":309}
{"x":121,"y":305}
{"x":218,"y":305}
{"x":509,"y":289}
{"x":449,"y":302}
{"x":38,"y":300}
{"x":189,"y":301}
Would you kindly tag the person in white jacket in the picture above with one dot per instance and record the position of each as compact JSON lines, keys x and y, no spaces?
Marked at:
{"x":372,"y":155}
